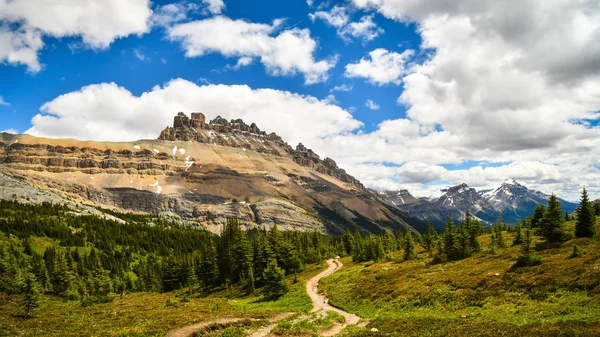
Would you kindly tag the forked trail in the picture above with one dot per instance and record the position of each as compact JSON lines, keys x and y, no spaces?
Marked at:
{"x":320,"y":305}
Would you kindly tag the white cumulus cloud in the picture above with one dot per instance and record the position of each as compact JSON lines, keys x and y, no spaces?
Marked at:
{"x":107,"y":111}
{"x":339,"y":17}
{"x":283,"y":52}
{"x":3,"y":102}
{"x":365,"y":29}
{"x":98,"y":23}
{"x":383,"y":67}
{"x":214,"y":6}
{"x":372,"y":105}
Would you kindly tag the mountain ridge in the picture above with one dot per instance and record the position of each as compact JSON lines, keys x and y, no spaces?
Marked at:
{"x":511,"y":199}
{"x":223,"y":169}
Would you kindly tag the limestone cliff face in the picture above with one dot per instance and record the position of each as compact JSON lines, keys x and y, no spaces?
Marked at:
{"x":236,"y":133}
{"x":203,"y":172}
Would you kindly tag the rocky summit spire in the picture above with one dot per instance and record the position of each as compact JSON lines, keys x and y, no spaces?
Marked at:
{"x":236,"y":133}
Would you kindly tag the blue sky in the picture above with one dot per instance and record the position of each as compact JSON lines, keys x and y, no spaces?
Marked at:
{"x":435,"y":93}
{"x":68,"y":67}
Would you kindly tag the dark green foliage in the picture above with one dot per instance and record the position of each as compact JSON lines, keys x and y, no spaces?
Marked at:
{"x":450,"y":239}
{"x":586,"y":218}
{"x":274,"y":279}
{"x":526,"y":258}
{"x":97,"y":257}
{"x":538,"y":216}
{"x":597,"y":207}
{"x":518,"y":236}
{"x":11,"y":275}
{"x":552,"y":225}
{"x":31,"y":294}
{"x":575,"y":252}
{"x":409,"y":246}
{"x":430,"y":236}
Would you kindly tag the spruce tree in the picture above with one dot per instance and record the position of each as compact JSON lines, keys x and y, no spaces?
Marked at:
{"x":552,"y":225}
{"x":430,"y":236}
{"x":450,"y":239}
{"x":538,"y":216}
{"x":586,"y":218}
{"x":409,"y":246}
{"x":526,"y":258}
{"x":348,"y":239}
{"x":473,"y":228}
{"x":274,"y":278}
{"x":31,"y":294}
{"x":518,"y":236}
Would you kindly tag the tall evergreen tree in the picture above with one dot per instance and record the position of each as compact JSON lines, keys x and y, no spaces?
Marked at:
{"x":538,"y":216}
{"x":586,"y":218}
{"x":526,"y":258}
{"x":348,"y":239}
{"x":518,"y":236}
{"x":31,"y":294}
{"x":274,"y":278}
{"x":552,"y":225}
{"x":409,"y":246}
{"x":450,"y":240}
{"x":430,"y":236}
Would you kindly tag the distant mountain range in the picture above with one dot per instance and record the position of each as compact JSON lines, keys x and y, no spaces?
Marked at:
{"x":511,"y":199}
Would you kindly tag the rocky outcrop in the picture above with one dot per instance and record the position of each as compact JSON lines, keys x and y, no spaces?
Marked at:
{"x":222,"y":132}
{"x":45,"y":157}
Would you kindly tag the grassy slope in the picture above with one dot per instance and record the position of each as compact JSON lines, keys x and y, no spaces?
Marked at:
{"x":480,"y":295}
{"x":146,"y":314}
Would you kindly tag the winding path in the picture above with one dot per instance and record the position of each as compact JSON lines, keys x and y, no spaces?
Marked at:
{"x":321,"y":303}
{"x":188,"y":330}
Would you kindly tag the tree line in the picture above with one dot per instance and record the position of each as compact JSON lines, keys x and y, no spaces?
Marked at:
{"x":96,"y":257}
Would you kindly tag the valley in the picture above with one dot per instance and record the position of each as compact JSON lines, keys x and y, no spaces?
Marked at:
{"x":220,"y":229}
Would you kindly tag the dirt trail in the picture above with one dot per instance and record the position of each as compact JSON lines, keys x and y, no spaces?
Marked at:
{"x":321,"y":303}
{"x":188,"y":330}
{"x":266,"y":330}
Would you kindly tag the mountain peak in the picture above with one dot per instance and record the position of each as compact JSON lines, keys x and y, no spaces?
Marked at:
{"x":398,"y":198}
{"x":511,"y":181}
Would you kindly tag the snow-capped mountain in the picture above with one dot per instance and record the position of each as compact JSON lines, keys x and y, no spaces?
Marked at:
{"x":398,"y":198}
{"x":454,"y":201}
{"x":511,"y":199}
{"x":515,"y":200}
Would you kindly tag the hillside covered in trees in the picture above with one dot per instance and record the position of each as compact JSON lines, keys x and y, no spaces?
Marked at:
{"x":50,"y":254}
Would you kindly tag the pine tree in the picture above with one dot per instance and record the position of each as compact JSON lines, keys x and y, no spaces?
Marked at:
{"x":518,"y":236}
{"x":9,"y":271}
{"x":586,"y":218}
{"x":497,"y":229}
{"x":31,"y":294}
{"x":409,"y":246}
{"x":474,"y":229}
{"x":526,"y":258}
{"x":430,"y":236}
{"x":538,"y":216}
{"x":450,"y":239}
{"x":597,"y":207}
{"x":552,"y":225}
{"x":63,"y":280}
{"x":348,"y":239}
{"x":274,"y":278}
